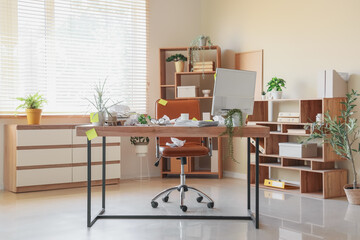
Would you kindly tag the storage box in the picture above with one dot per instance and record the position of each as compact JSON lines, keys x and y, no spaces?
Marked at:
{"x":298,"y":150}
{"x":187,"y":91}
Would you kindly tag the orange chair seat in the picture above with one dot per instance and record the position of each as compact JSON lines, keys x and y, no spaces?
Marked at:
{"x":188,"y":150}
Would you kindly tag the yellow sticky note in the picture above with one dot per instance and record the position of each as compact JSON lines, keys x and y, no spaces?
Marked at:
{"x":215,"y":76}
{"x":194,"y":119}
{"x":209,"y":120}
{"x":163,"y":102}
{"x":91,"y":134}
{"x":94,"y":117}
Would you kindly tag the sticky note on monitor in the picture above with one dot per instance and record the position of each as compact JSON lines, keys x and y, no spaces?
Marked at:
{"x":94,"y":117}
{"x":91,"y":134}
{"x":163,"y":102}
{"x":194,"y":119}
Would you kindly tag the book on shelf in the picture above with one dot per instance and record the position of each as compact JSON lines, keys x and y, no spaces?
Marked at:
{"x":203,"y":70}
{"x":288,"y":119}
{"x":289,"y":114}
{"x":297,"y":131}
{"x":204,"y":63}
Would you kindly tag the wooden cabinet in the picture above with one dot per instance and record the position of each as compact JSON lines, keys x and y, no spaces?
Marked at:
{"x":316,"y":176}
{"x":43,"y":157}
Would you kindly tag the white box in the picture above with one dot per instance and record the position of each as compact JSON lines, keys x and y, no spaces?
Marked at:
{"x":298,"y":150}
{"x":187,"y":91}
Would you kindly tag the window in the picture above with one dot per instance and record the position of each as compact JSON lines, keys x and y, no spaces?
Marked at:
{"x":62,"y":48}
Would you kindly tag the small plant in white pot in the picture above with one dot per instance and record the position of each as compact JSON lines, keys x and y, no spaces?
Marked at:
{"x":101,"y":103}
{"x":141,"y":143}
{"x":275,"y":87}
{"x":342,"y":132}
{"x":263,"y":95}
{"x":179,"y":60}
{"x":32,"y":105}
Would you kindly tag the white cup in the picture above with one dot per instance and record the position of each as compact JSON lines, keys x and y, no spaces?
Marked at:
{"x":206,"y":116}
{"x":184,"y":116}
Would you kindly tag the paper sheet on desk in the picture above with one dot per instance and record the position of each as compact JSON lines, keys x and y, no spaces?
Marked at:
{"x":191,"y":123}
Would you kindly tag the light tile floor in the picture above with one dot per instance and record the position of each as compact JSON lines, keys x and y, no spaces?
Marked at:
{"x":61,"y":214}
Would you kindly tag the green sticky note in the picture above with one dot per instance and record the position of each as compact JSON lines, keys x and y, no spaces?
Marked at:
{"x":194,"y":119}
{"x":91,"y":134}
{"x":94,"y":117}
{"x":163,"y":102}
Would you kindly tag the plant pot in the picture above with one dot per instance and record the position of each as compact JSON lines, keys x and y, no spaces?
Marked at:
{"x":353,"y":195}
{"x":141,"y":149}
{"x":101,"y":121}
{"x":202,"y":41}
{"x":263,"y":97}
{"x":33,"y":116}
{"x":276,"y":94}
{"x":179,"y":66}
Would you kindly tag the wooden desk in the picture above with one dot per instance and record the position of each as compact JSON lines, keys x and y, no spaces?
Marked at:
{"x":172,"y":131}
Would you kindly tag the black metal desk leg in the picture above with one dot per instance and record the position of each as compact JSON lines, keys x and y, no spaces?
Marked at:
{"x":89,"y":183}
{"x":257,"y":183}
{"x":103,"y":171}
{"x":248,"y":173}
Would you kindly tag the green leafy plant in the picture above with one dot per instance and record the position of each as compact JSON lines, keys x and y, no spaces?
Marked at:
{"x":195,"y":49}
{"x":101,"y":102}
{"x":276,"y":83}
{"x":34,"y":101}
{"x":230,"y":129}
{"x":263,"y":93}
{"x":176,"y":58}
{"x":341,"y":132}
{"x":141,"y":140}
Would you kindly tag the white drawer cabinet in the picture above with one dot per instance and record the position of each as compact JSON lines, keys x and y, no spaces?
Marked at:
{"x":80,"y":173}
{"x":82,"y":140}
{"x":43,"y":176}
{"x":44,"y":137}
{"x":80,"y":154}
{"x":43,"y":157}
{"x":35,"y":157}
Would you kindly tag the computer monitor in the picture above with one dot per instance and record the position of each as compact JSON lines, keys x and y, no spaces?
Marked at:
{"x":233,"y":89}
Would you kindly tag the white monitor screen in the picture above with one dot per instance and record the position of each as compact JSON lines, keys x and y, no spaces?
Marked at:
{"x":233,"y":89}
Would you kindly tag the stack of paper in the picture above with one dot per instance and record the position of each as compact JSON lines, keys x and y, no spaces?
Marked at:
{"x":191,"y":123}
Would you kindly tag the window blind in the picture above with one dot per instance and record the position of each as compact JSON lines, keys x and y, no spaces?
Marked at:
{"x":63,"y":48}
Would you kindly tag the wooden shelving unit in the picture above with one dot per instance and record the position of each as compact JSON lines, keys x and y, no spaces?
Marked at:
{"x":169,"y":81}
{"x":318,"y":175}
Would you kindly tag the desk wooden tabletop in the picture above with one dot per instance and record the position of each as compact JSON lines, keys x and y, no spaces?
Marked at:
{"x":172,"y":131}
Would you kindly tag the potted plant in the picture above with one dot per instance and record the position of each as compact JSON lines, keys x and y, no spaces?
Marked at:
{"x":233,"y":118}
{"x":179,"y":60}
{"x":275,"y":87}
{"x":341,"y":132}
{"x":101,"y":103}
{"x":196,"y":45}
{"x":32,"y":105}
{"x":141,"y":143}
{"x":263,"y":95}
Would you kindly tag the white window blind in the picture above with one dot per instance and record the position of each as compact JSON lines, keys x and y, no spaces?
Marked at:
{"x":62,"y":48}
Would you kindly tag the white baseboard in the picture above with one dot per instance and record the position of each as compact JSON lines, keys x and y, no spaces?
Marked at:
{"x":234,"y":175}
{"x":137,"y":177}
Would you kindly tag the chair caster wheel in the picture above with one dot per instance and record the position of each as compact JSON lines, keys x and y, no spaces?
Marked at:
{"x":165,"y":199}
{"x":199,"y":199}
{"x":154,"y":204}
{"x":183,"y":208}
{"x":210,"y":205}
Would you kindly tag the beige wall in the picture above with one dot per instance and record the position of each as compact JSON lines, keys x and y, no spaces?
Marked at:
{"x":299,"y":39}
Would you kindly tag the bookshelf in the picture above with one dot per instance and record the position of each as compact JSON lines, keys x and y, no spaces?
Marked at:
{"x":318,"y":176}
{"x":169,"y":81}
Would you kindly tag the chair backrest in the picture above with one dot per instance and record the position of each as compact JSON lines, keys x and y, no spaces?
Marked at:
{"x":173,"y":109}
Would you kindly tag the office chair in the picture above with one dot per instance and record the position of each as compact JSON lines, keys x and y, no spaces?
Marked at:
{"x":192,"y":148}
